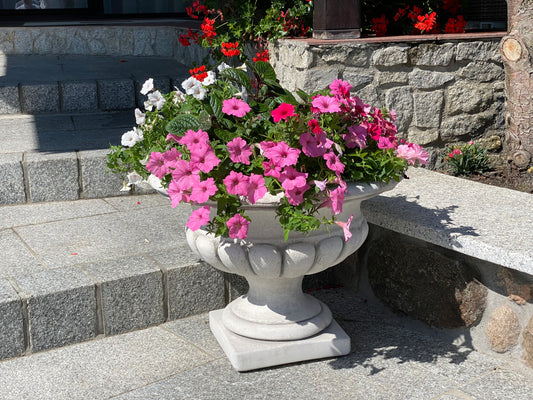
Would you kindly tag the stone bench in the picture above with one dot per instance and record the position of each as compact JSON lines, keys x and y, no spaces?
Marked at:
{"x":455,"y":254}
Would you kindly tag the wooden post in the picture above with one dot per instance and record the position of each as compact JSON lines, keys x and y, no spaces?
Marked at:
{"x":336,"y":19}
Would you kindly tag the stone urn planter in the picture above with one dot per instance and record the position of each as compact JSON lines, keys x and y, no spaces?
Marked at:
{"x":275,"y":322}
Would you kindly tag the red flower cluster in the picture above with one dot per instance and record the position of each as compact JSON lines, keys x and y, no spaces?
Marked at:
{"x":199,"y":73}
{"x":230,"y":49}
{"x":196,"y":10}
{"x":451,"y":5}
{"x":426,"y":22}
{"x":455,"y":25}
{"x":292,"y":25}
{"x":261,"y":56}
{"x":380,"y":25}
{"x":208,"y":28}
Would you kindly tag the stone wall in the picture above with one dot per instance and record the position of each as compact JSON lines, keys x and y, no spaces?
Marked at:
{"x":442,"y":91}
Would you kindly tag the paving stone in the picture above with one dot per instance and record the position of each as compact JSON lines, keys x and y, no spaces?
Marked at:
{"x":131,"y":291}
{"x":12,"y":189}
{"x":17,"y":258}
{"x":40,"y":98}
{"x":11,"y":326}
{"x":122,"y":234}
{"x":33,"y":214}
{"x":79,"y":96}
{"x":193,"y":287}
{"x":9,"y":100}
{"x":52,"y":177}
{"x":116,"y":94}
{"x":95,"y":180}
{"x":99,"y":369}
{"x":500,"y":385}
{"x":61,"y":307}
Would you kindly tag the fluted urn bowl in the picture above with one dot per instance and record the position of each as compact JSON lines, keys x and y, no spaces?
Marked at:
{"x":275,"y":307}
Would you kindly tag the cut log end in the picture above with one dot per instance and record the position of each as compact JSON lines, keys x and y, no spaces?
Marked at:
{"x":522,"y":158}
{"x":511,"y":49}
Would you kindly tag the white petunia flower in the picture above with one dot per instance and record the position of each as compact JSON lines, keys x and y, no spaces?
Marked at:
{"x":139,"y":134}
{"x":129,"y":138}
{"x":156,"y":99}
{"x":190,"y":84}
{"x":147,"y":86}
{"x":243,"y":68}
{"x":199,"y":92}
{"x":140,"y":117}
{"x":210,"y":79}
{"x":222,"y":66}
{"x":148,"y":106}
{"x":179,"y":96}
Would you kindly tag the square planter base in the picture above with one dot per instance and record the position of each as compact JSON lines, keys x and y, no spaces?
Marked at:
{"x":246,"y":354}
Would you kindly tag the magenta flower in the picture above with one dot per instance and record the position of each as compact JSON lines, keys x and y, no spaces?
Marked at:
{"x":237,"y":183}
{"x":356,"y":137}
{"x":290,"y":178}
{"x":334,"y":163}
{"x":340,"y":88}
{"x":156,"y":165}
{"x":235,"y":107}
{"x":238,"y":227}
{"x":326,"y":104}
{"x":315,"y":127}
{"x":239,"y":151}
{"x":335,"y":199}
{"x":387,"y":142}
{"x":295,"y":196}
{"x":412,"y":153}
{"x":198,"y":218}
{"x":282,"y":112}
{"x":256,"y":188}
{"x":204,"y":158}
{"x":282,"y":154}
{"x":346,"y":228}
{"x":202,"y":190}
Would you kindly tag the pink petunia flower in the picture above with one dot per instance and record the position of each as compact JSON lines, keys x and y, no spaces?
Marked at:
{"x":290,"y":178}
{"x":194,"y":140}
{"x":282,"y":112}
{"x":334,"y":163}
{"x":178,"y":193}
{"x":202,"y":190}
{"x":170,"y":157}
{"x":185,"y":171}
{"x":237,"y":183}
{"x":326,"y":104}
{"x":198,"y":218}
{"x":315,"y":145}
{"x":239,"y":151}
{"x":412,"y":153}
{"x":271,"y":169}
{"x":236,"y":107}
{"x":238,"y":227}
{"x":356,"y":137}
{"x":156,"y":165}
{"x":335,"y":199}
{"x":204,"y":158}
{"x":295,"y":196}
{"x":340,"y":88}
{"x":256,"y":188}
{"x":387,"y":142}
{"x":346,"y":228}
{"x":282,"y":154}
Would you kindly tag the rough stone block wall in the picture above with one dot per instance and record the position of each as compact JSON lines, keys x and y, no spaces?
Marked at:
{"x":442,"y":92}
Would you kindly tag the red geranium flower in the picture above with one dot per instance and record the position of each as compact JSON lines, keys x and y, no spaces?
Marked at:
{"x":426,"y":22}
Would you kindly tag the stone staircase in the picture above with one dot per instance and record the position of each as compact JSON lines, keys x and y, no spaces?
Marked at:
{"x":60,"y":113}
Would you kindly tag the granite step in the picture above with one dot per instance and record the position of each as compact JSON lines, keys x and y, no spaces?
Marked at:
{"x":51,"y":84}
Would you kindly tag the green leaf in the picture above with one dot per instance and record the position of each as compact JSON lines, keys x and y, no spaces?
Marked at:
{"x":226,"y":136}
{"x":182,"y":123}
{"x":238,"y":76}
{"x":265,"y":71}
{"x":216,"y":105}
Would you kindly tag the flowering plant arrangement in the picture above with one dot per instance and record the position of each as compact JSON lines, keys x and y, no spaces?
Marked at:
{"x":467,"y":159}
{"x":233,"y":137}
{"x":225,"y":31}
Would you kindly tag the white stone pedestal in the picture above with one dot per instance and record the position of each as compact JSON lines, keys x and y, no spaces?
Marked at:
{"x":247,"y":354}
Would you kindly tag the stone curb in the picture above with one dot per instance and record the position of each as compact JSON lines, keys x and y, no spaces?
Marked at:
{"x":59,"y":307}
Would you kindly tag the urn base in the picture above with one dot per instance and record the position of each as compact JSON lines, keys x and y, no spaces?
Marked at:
{"x":247,"y":354}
